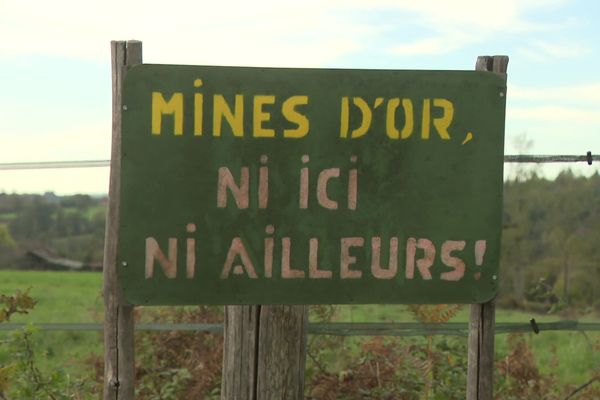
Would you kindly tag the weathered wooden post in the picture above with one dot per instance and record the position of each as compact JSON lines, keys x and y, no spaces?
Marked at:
{"x":282,"y":352}
{"x":119,"y":362}
{"x":240,"y":351}
{"x":264,"y":352}
{"x":480,"y":370}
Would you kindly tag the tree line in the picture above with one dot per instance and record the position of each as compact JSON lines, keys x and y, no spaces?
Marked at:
{"x":66,"y":226}
{"x":550,"y":254}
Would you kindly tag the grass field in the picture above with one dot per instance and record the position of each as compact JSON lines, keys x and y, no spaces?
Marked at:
{"x":61,"y":297}
{"x":76,"y":297}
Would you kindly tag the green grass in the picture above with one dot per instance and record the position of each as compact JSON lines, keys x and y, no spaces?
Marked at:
{"x":61,"y":297}
{"x":73,"y":297}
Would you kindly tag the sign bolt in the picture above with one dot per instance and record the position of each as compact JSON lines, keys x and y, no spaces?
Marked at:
{"x":494,"y":277}
{"x":124,"y":263}
{"x":125,"y":108}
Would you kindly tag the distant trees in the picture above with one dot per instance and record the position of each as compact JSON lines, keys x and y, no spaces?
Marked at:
{"x":6,"y":240}
{"x":72,"y":226}
{"x":550,"y":251}
{"x":7,"y":245}
{"x":550,"y":244}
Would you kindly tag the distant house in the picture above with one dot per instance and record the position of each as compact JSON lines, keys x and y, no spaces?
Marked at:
{"x":42,"y":259}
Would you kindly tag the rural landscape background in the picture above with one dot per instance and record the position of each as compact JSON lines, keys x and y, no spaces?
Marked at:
{"x":51,"y":256}
{"x":55,"y":102}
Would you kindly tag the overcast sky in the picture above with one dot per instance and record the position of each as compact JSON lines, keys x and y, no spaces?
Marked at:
{"x":55,"y":92}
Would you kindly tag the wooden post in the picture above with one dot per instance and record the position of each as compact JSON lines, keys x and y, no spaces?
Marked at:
{"x":119,"y":362}
{"x":281,"y":352}
{"x":480,"y":370}
{"x":240,"y":352}
{"x":264,"y":352}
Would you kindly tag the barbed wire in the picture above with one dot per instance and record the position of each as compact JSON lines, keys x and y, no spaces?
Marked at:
{"x":531,"y":158}
{"x":521,"y":158}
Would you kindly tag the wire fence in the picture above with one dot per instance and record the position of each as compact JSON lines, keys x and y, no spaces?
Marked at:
{"x":588,"y":158}
{"x":344,"y":328}
{"x":54,"y":165}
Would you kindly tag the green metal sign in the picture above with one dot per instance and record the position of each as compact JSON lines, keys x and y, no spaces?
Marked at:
{"x":258,"y":185}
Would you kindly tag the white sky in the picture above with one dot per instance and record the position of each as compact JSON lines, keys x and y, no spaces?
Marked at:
{"x":55,"y":63}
